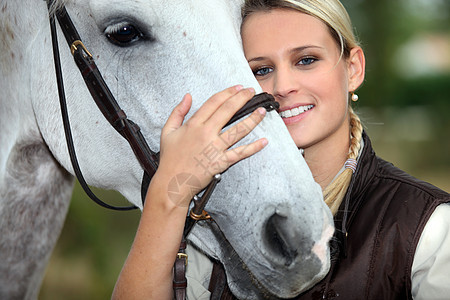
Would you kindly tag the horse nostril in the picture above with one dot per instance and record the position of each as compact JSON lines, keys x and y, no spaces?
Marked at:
{"x":282,"y":239}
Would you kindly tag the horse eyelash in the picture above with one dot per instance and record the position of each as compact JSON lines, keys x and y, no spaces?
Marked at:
{"x":113,"y":28}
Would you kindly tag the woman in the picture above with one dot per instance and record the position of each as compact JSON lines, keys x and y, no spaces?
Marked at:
{"x":305,"y":54}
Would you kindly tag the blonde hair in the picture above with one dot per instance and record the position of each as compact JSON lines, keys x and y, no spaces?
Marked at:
{"x":335,"y":16}
{"x":331,"y":12}
{"x":335,"y":192}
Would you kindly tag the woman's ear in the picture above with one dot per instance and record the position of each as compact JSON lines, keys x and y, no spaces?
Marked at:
{"x":356,"y":64}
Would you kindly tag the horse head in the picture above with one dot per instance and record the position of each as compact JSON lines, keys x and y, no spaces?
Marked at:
{"x":271,"y":227}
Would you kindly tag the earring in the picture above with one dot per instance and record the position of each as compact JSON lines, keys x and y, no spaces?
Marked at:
{"x":354,"y":97}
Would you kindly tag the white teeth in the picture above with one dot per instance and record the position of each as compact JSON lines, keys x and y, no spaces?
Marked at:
{"x":295,"y":111}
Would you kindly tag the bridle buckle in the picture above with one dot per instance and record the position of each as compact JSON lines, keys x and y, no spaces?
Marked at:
{"x":74,"y":48}
{"x":203,"y":216}
{"x":183,"y":256}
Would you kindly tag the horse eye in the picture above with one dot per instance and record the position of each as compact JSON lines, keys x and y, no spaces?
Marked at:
{"x":123,"y":34}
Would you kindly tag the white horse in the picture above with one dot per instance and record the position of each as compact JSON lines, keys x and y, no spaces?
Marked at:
{"x":268,"y":207}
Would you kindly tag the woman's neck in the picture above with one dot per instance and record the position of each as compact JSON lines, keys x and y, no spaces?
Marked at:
{"x":327,"y":157}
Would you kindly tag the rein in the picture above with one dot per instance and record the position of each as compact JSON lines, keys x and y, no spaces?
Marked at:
{"x":111,"y":110}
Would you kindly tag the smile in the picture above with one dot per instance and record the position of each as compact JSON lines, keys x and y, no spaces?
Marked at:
{"x":295,"y":111}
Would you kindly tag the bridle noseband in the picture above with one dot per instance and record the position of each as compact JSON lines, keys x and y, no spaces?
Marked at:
{"x":111,"y":110}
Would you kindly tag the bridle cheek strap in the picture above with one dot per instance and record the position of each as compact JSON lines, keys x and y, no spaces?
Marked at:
{"x":102,"y":97}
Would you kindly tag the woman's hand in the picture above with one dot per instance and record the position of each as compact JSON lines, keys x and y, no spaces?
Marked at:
{"x":193,"y":152}
{"x":190,"y":154}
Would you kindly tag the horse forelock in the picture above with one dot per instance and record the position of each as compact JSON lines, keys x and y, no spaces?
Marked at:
{"x":57,"y":4}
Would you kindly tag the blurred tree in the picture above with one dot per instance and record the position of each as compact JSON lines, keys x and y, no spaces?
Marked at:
{"x":389,"y":30}
{"x":383,"y":27}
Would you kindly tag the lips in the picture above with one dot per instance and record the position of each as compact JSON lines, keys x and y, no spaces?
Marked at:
{"x":288,"y":113}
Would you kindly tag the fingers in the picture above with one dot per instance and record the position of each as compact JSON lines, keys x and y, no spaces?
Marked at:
{"x":222,"y":161}
{"x":239,"y":153}
{"x":226,"y":111}
{"x":243,"y":128}
{"x":200,"y":148}
{"x":213,"y":104}
{"x":235,"y":134}
{"x":178,"y":114}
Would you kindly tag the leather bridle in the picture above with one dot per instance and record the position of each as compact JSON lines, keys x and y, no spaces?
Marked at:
{"x":111,"y":110}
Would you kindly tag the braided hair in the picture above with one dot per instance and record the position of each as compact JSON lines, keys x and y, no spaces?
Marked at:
{"x":334,"y":193}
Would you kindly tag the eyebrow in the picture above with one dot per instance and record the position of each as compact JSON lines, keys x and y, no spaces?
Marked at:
{"x":294,"y":50}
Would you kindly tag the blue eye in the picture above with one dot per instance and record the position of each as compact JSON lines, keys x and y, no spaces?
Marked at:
{"x":306,"y":61}
{"x":262,"y":71}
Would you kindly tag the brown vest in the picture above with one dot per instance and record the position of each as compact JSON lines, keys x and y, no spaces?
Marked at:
{"x":375,"y":241}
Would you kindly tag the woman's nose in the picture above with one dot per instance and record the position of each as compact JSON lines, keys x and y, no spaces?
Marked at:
{"x":284,"y":84}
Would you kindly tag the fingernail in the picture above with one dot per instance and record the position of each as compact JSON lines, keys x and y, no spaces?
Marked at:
{"x":261,"y":110}
{"x":251,"y":89}
{"x":264,"y":142}
{"x":238,"y":87}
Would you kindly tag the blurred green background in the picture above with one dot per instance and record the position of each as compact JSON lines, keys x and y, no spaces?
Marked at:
{"x":404,"y":104}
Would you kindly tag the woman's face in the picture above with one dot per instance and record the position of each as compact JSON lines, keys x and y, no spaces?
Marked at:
{"x":295,"y":58}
